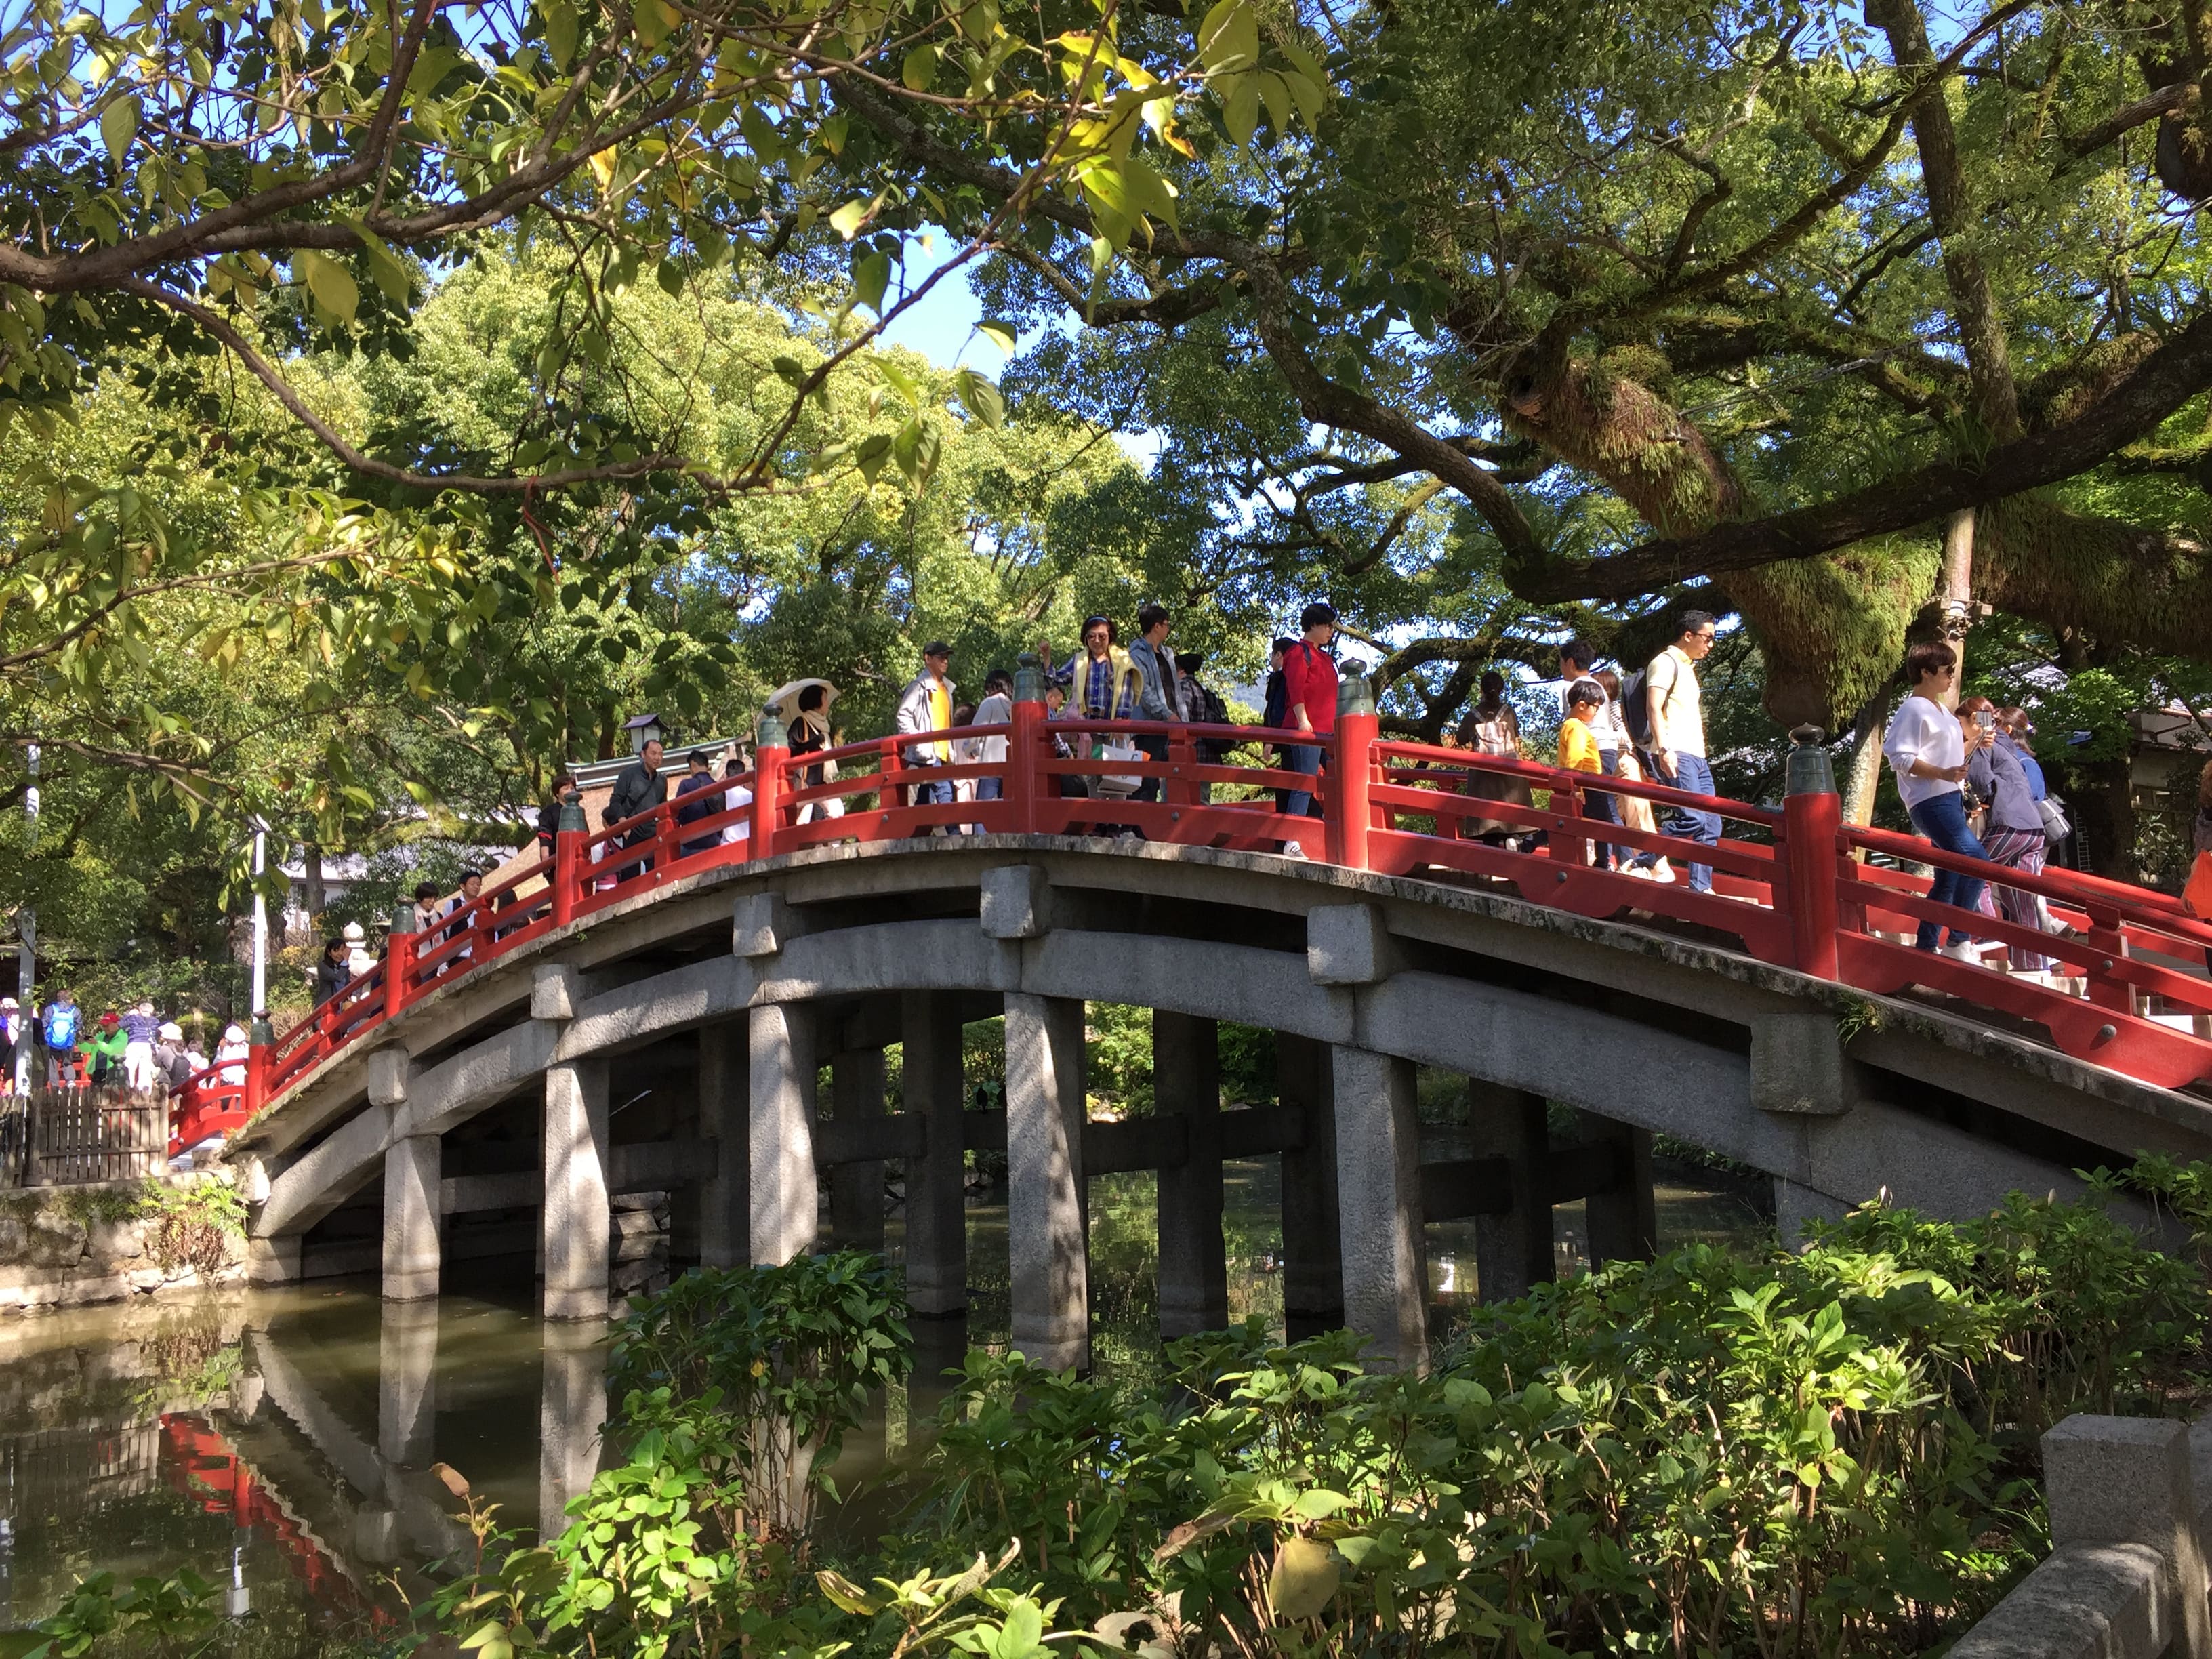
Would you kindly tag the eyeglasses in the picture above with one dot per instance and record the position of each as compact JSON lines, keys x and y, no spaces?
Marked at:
{"x":1096,"y":636}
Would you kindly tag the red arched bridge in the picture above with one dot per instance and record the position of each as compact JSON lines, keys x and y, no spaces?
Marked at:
{"x":707,"y":969}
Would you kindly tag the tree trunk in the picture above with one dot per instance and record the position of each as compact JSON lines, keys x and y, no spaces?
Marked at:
{"x":1863,"y":774}
{"x":1954,"y":594}
{"x":311,"y":883}
{"x":2102,"y":795}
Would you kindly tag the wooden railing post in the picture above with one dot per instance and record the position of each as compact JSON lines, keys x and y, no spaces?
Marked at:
{"x":770,"y":751}
{"x":1347,"y":806}
{"x":258,"y":1039}
{"x":398,"y":959}
{"x":1811,"y":818}
{"x":1024,"y":746}
{"x":567,"y":858}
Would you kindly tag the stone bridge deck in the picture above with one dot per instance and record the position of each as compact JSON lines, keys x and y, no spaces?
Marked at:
{"x":669,"y":1037}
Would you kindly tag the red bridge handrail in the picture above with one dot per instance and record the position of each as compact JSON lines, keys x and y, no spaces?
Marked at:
{"x":1792,"y":885}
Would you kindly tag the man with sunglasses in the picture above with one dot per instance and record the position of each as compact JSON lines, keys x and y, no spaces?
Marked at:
{"x":1678,"y":736}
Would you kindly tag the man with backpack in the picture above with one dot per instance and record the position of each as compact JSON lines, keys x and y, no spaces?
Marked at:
{"x":61,"y":1027}
{"x":1666,"y":720}
{"x":1202,"y":706}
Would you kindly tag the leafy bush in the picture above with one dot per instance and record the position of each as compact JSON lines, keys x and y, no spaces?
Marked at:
{"x":193,"y":1225}
{"x":790,"y":1352}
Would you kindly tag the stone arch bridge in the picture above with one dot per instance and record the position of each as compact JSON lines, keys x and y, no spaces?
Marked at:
{"x":661,"y":1026}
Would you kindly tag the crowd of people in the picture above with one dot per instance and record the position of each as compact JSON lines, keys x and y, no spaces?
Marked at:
{"x":54,"y":1044}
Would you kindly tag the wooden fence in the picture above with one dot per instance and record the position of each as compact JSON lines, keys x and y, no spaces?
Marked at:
{"x":55,"y":1136}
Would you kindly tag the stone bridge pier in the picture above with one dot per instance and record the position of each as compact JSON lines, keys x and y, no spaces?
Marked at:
{"x":680,"y":1046}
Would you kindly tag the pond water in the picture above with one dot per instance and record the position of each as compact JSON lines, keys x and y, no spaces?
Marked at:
{"x":279,"y":1442}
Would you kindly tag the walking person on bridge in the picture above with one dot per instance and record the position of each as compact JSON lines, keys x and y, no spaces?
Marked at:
{"x":60,"y":1027}
{"x":1927,"y":746}
{"x":997,"y":708}
{"x":925,"y":705}
{"x":2013,"y":835}
{"x":1309,"y":684}
{"x":639,"y":788}
{"x":1677,"y":715}
{"x":1160,"y":696}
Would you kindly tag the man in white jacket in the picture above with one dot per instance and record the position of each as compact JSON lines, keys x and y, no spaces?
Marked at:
{"x":926,"y":706}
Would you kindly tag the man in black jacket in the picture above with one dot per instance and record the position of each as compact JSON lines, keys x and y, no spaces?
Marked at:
{"x":640,"y":788}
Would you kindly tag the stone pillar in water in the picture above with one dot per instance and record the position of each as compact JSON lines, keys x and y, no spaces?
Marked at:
{"x":1045,"y":1233}
{"x":572,"y":1407}
{"x":1512,"y":1246}
{"x":1193,"y":1263}
{"x":725,"y":1197}
{"x":1313,"y":1269}
{"x":856,"y":1190}
{"x":575,"y":1216}
{"x":1378,"y":1195}
{"x":1624,"y":1223}
{"x":411,"y":1219}
{"x":406,"y":1385}
{"x":784,"y":1208}
{"x":936,"y":1183}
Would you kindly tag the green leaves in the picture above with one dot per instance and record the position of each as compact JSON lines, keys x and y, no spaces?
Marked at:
{"x":1305,"y":1578}
{"x":980,"y":397}
{"x":336,"y":295}
{"x":561,"y":25}
{"x":118,"y":126}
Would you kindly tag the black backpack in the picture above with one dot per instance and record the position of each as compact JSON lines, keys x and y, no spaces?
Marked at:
{"x":1636,"y":709}
{"x":1213,"y":712}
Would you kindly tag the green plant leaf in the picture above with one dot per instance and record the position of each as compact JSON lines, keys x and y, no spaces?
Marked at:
{"x":1000,"y":333}
{"x":848,"y":220}
{"x":331,"y":283}
{"x":559,"y":31}
{"x":118,"y":125}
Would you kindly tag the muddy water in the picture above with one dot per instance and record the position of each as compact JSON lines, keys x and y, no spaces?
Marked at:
{"x":279,"y":1443}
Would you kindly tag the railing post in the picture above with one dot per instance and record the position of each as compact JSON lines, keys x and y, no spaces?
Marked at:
{"x":398,"y":959}
{"x":567,"y":858}
{"x":1346,"y":804}
{"x":771,"y":748}
{"x":1811,"y":818}
{"x":1024,"y":780}
{"x":258,"y":1038}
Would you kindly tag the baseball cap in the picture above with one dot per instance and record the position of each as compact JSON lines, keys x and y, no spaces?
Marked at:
{"x":172,"y":1031}
{"x":937,"y":648}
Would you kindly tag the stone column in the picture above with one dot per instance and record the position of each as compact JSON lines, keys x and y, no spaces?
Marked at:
{"x":856,"y":1190}
{"x":1512,"y":1247}
{"x":412,"y":1220}
{"x":572,"y":1406}
{"x":1194,"y":1262}
{"x":1313,"y":1268}
{"x":1624,"y":1223}
{"x":1378,"y":1194}
{"x":936,"y":1183}
{"x":575,"y":1221}
{"x":1046,"y":1241}
{"x":406,"y":1383}
{"x":725,"y":1197}
{"x":785,"y":1207}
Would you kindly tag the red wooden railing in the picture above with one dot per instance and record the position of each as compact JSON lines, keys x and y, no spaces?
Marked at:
{"x":1790,"y":884}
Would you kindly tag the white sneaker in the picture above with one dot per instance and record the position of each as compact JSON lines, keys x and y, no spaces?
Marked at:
{"x":1662,"y":872}
{"x":1292,"y":850}
{"x":1959,"y":951}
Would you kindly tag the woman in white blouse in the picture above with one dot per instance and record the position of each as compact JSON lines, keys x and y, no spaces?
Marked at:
{"x":1928,"y":747}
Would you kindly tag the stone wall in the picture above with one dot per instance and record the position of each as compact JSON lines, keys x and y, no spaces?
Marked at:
{"x":66,"y":1247}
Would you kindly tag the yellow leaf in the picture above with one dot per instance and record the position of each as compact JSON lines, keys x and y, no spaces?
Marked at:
{"x":603,"y":166}
{"x":848,"y":220}
{"x":329,"y":282}
{"x":1305,"y":1578}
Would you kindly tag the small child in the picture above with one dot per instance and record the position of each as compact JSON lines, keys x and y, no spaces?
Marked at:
{"x":1578,"y":752}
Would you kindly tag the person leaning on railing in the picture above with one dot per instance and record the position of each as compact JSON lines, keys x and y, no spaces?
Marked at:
{"x":1927,"y":745}
{"x":1309,"y":681}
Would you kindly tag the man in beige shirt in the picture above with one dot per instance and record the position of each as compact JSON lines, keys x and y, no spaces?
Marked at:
{"x":1678,"y":736}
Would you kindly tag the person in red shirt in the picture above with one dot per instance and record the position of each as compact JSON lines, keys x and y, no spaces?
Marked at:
{"x":1309,"y":704}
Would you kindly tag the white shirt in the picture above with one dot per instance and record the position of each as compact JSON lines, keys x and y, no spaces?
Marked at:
{"x":1680,"y":728}
{"x":997,"y":709}
{"x":1922,"y":729}
{"x":737,"y":829}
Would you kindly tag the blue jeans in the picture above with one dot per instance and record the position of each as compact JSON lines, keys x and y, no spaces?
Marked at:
{"x":988,"y":788}
{"x":1942,"y":819}
{"x":1690,"y":773}
{"x":1301,"y":758}
{"x":933,"y":794}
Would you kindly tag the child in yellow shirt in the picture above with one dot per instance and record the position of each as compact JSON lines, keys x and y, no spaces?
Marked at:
{"x":1578,"y":752}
